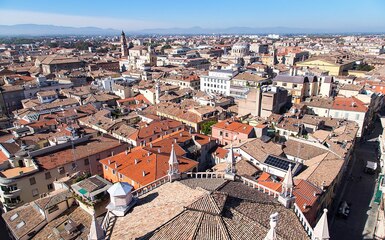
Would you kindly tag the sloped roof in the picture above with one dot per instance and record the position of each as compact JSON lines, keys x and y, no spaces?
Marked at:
{"x":120,"y":189}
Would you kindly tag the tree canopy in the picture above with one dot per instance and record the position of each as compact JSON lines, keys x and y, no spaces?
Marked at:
{"x":206,"y":127}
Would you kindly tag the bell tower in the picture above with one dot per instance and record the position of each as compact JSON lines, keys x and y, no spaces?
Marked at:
{"x":123,"y":44}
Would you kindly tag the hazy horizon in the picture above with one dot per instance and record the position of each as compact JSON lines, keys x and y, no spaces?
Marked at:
{"x":324,"y":15}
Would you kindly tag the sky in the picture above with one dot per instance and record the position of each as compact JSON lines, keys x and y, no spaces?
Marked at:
{"x":146,"y":14}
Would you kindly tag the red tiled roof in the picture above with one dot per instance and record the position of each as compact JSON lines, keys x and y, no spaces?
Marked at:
{"x":234,"y":127}
{"x":3,"y":157}
{"x":265,"y":180}
{"x":139,"y":98}
{"x":349,"y":104}
{"x":156,"y":127}
{"x":145,"y":164}
{"x":305,"y":193}
{"x":68,"y":155}
{"x":221,"y":152}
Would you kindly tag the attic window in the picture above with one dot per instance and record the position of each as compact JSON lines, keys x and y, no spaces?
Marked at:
{"x":20,"y":224}
{"x":14,"y":216}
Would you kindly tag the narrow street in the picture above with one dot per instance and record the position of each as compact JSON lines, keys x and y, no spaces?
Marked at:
{"x":358,"y":191}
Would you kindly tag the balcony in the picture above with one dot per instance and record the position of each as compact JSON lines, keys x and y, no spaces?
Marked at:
{"x":11,"y":193}
{"x":12,"y":205}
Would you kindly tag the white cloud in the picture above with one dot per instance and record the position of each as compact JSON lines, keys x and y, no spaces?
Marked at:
{"x":11,"y":17}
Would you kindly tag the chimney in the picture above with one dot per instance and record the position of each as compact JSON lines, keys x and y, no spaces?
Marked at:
{"x":109,"y":161}
{"x":112,"y":153}
{"x":158,"y":150}
{"x":116,"y":165}
{"x":136,"y":161}
{"x":150,"y":145}
{"x":323,"y":186}
{"x":143,"y":173}
{"x":304,"y":206}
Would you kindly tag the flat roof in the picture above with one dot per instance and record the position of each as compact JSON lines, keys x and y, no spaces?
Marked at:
{"x":14,"y":172}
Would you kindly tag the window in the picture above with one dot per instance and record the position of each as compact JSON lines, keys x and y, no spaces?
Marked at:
{"x":120,"y":176}
{"x":50,"y":187}
{"x":86,"y":161}
{"x":220,"y":133}
{"x":295,"y":85}
{"x":35,"y":192}
{"x":73,"y":165}
{"x":226,"y":134}
{"x":357,"y":116}
{"x":47,"y":175}
{"x":105,"y":167}
{"x":284,"y":84}
{"x":113,"y":171}
{"x":61,"y":170}
{"x":32,"y":181}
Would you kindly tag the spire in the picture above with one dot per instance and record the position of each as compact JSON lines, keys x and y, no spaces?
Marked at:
{"x":321,"y":230}
{"x":271,"y":234}
{"x":96,"y":231}
{"x":287,"y":184}
{"x":230,"y":160}
{"x":173,"y":161}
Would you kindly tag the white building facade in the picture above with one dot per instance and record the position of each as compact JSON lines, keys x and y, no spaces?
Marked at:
{"x":217,"y":82}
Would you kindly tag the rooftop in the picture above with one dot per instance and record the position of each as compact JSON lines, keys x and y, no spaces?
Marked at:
{"x":234,"y":127}
{"x":58,"y":158}
{"x":155,"y":209}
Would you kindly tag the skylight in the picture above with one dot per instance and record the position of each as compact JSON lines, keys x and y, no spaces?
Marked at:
{"x":14,"y":216}
{"x":20,"y":224}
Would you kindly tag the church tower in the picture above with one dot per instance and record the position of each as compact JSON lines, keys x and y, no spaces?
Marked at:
{"x":123,"y":45}
{"x":157,"y":92}
{"x":286,"y":197}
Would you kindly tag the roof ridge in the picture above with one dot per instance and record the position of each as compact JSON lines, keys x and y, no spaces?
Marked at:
{"x":222,"y":225}
{"x":215,"y":204}
{"x":197,"y":226}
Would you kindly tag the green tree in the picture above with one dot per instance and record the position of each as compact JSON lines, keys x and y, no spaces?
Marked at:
{"x":206,"y":127}
{"x":364,"y":67}
{"x":167,"y":46}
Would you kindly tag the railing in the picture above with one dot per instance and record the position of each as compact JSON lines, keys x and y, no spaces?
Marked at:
{"x":11,"y":193}
{"x":260,"y":187}
{"x":12,"y":205}
{"x":140,"y":191}
{"x":205,"y":175}
{"x":106,"y":220}
{"x":303,"y":220}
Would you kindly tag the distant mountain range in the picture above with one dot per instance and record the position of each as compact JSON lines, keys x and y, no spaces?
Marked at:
{"x":51,"y":30}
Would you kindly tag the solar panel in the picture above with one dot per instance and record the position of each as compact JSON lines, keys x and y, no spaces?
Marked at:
{"x":278,"y":162}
